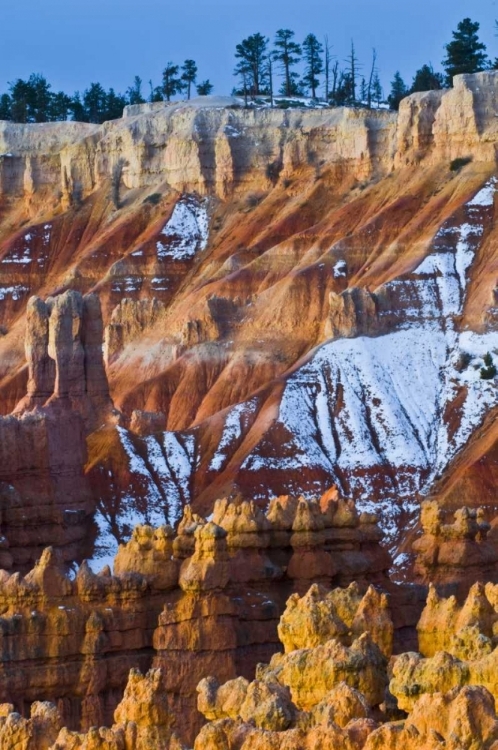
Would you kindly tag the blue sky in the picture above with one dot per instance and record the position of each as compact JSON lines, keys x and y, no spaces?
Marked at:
{"x":74,"y":42}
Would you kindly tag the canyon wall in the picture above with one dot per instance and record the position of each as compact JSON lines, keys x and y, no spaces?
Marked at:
{"x":290,"y":299}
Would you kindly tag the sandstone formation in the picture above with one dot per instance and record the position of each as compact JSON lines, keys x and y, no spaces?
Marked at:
{"x":64,"y":355}
{"x":44,"y":495}
{"x":457,"y":645}
{"x":142,"y":722}
{"x":306,"y":698}
{"x":204,"y":600}
{"x":459,"y":551}
{"x":331,"y":687}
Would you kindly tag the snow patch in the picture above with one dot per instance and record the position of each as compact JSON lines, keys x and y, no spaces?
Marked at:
{"x":187,"y":231}
{"x":340,"y":269}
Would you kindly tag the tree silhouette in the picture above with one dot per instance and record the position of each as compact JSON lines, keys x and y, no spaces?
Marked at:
{"x":172,"y":83}
{"x":398,"y":91}
{"x":189,"y":75}
{"x":465,"y":53}
{"x":288,"y":54}
{"x":313,"y":51}
{"x":205,"y":88}
{"x":251,"y":67}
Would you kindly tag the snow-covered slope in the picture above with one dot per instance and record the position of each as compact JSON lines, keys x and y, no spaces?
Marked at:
{"x":370,"y":414}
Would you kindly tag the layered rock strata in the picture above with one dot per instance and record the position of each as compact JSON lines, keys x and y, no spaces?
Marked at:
{"x":332,"y":686}
{"x":205,"y":599}
{"x":45,"y":497}
{"x":460,"y":552}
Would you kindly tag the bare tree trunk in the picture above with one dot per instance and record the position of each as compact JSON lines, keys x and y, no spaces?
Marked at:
{"x":327,"y":67}
{"x":373,"y":70}
{"x":270,"y":73}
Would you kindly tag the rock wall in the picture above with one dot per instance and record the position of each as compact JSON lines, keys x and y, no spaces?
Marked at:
{"x":212,"y":146}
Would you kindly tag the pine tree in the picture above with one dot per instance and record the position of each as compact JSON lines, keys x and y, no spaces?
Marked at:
{"x":251,"y":67}
{"x":288,"y":54}
{"x":465,"y":54}
{"x":20,"y":96}
{"x":344,"y":89}
{"x":377,"y":92}
{"x":31,"y":99}
{"x":172,"y":83}
{"x":60,"y":106}
{"x":189,"y":75}
{"x":205,"y":88}
{"x":5,"y":107}
{"x":78,"y":111}
{"x":488,"y":372}
{"x":313,"y":51}
{"x":134,"y":93}
{"x":426,"y":79}
{"x":95,"y":103}
{"x":398,"y":91}
{"x":114,"y":105}
{"x":156,"y":93}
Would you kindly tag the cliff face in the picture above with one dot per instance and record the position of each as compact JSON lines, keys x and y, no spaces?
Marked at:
{"x":290,"y":300}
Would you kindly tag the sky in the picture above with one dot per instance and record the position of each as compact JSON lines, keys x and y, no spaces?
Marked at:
{"x":75,"y":42}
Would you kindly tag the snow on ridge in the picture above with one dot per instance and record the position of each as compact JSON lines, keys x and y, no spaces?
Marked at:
{"x":186,"y":231}
{"x":232,"y":431}
{"x":363,"y":409}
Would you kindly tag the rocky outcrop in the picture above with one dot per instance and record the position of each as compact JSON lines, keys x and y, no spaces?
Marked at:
{"x":185,"y":135}
{"x":202,"y":600}
{"x":459,"y":628}
{"x":142,"y":722}
{"x":458,"y":552}
{"x":64,"y":354}
{"x":454,"y":123}
{"x":340,"y":614}
{"x":329,"y":688}
{"x":461,"y":718}
{"x":244,"y":238}
{"x":457,"y":644}
{"x":128,"y":321}
{"x":45,"y":497}
{"x":352,"y":313}
{"x":311,"y":697}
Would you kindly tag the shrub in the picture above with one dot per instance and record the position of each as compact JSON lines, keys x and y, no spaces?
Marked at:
{"x":253,"y":200}
{"x":155,"y":198}
{"x":457,"y":164}
{"x":488,"y":372}
{"x":273,"y":170}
